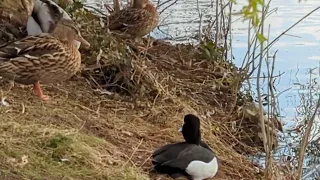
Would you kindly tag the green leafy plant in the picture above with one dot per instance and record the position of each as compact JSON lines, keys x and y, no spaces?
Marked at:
{"x":253,"y":12}
{"x":209,"y":50}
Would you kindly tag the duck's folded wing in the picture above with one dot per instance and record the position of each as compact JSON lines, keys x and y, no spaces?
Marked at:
{"x":31,"y":46}
{"x":205,"y":145}
{"x":192,"y":153}
{"x":127,"y":18}
{"x":168,"y":152}
{"x":161,"y":149}
{"x":32,"y":58}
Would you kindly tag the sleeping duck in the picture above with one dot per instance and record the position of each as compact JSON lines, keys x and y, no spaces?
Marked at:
{"x":136,"y":21}
{"x":192,"y":158}
{"x":45,"y":58}
{"x":44,"y":14}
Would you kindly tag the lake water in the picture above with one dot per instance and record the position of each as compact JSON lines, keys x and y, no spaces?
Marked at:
{"x":298,"y":50}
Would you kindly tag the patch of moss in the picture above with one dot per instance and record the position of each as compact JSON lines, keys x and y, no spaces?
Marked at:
{"x":59,"y":145}
{"x":55,"y":154}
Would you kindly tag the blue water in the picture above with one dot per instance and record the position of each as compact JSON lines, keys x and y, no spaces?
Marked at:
{"x":298,"y":51}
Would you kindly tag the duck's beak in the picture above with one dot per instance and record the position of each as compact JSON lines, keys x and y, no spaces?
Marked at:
{"x":84,"y":42}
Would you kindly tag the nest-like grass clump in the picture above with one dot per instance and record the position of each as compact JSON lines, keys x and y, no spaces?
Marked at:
{"x":162,"y":70}
{"x":13,"y":20}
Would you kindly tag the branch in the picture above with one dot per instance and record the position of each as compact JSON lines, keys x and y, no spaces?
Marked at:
{"x":305,"y":140}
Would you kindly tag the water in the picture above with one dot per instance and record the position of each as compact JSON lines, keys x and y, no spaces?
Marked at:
{"x":298,"y":50}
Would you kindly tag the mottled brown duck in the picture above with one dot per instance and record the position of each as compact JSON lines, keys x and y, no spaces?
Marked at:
{"x":16,"y":11}
{"x":136,"y":21}
{"x":13,"y":19}
{"x":44,"y":58}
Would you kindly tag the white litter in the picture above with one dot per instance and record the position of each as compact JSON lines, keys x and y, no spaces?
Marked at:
{"x":4,"y":102}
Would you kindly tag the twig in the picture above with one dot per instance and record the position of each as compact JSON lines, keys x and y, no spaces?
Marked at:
{"x":167,"y":6}
{"x":261,"y":118}
{"x":217,"y":25}
{"x":165,"y":2}
{"x":134,"y":151}
{"x":95,"y":9}
{"x":305,"y":140}
{"x":200,"y":21}
{"x":271,"y":107}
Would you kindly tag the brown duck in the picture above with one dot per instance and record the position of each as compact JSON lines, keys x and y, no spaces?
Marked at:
{"x":136,"y":21}
{"x":45,"y":58}
{"x":16,"y":11}
{"x":13,"y":19}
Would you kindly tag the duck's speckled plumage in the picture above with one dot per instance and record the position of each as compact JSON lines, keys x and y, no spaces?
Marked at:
{"x":39,"y":58}
{"x":13,"y":19}
{"x":15,"y":11}
{"x":45,"y":58}
{"x":136,"y":21}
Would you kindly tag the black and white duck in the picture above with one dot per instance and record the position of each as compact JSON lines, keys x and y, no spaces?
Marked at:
{"x":192,"y":158}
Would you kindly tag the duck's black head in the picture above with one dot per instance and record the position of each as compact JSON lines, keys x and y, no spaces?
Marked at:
{"x":191,"y":129}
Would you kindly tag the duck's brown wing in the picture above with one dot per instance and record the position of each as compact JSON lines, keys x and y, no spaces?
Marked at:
{"x":130,"y":17}
{"x":30,"y":59}
{"x":35,"y":46}
{"x":18,"y":5}
{"x":15,"y":12}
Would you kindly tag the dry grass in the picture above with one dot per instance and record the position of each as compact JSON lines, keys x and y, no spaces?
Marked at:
{"x":105,"y":122}
{"x":59,"y":139}
{"x":79,"y":135}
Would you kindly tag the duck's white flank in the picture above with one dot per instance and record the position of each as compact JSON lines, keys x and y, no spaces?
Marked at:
{"x":200,"y":170}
